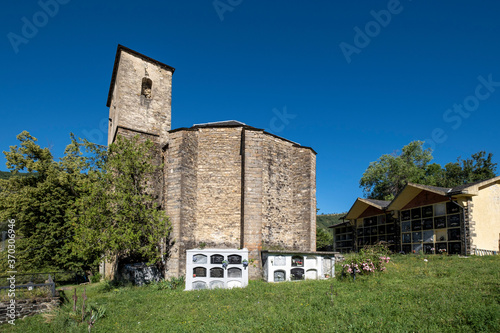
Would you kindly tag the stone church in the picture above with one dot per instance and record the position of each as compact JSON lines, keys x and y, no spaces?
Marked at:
{"x":224,"y":184}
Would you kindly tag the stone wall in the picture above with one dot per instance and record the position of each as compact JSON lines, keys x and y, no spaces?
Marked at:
{"x":128,"y":107}
{"x":27,"y":307}
{"x":238,"y":187}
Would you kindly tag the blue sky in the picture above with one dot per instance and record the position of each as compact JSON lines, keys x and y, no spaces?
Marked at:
{"x":356,"y":79}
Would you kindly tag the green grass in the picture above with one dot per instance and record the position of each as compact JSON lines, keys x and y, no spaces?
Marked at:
{"x":445,"y":294}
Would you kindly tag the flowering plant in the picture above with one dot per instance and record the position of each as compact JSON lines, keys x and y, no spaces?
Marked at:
{"x":442,"y":251}
{"x":224,"y":263}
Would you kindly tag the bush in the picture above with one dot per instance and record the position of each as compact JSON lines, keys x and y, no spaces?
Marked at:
{"x":367,"y":261}
{"x":95,"y":278}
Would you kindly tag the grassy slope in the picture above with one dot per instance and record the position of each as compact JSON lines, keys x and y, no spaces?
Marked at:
{"x":446,"y":294}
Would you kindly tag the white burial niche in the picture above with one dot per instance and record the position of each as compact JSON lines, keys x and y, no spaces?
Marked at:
{"x":216,"y":268}
{"x":279,"y":266}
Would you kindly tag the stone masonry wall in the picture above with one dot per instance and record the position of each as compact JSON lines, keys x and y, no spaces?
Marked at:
{"x":235,"y":187}
{"x":288,"y":196}
{"x":27,"y":307}
{"x":130,"y":109}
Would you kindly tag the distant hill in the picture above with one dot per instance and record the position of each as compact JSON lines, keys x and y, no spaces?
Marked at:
{"x":325,"y":220}
{"x":5,"y":175}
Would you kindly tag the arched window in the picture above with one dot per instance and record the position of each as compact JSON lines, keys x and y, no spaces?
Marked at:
{"x":147,"y":84}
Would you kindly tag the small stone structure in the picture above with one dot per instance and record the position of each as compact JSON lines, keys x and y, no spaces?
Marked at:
{"x":27,"y":307}
{"x":282,"y":266}
{"x":216,"y":268}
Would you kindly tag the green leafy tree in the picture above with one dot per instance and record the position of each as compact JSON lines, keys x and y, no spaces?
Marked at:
{"x":324,"y":239}
{"x":387,"y":176}
{"x":41,"y":202}
{"x":120,"y":217}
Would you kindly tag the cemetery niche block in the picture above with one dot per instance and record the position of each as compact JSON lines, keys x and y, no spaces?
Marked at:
{"x":216,"y":268}
{"x":282,"y":266}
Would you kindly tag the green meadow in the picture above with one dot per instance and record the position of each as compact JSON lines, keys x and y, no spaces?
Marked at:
{"x":442,"y":294}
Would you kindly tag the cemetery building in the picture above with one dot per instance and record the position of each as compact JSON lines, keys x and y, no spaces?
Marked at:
{"x":224,"y":184}
{"x":460,"y":220}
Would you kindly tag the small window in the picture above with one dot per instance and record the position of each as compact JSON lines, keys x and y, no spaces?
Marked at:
{"x":146,"y":87}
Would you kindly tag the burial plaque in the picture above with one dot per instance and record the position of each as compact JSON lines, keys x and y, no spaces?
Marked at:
{"x":216,"y":259}
{"x":199,"y":285}
{"x":279,"y":261}
{"x":440,"y":209}
{"x":416,"y":225}
{"x":416,"y":213}
{"x":429,"y":248}
{"x":417,"y":237}
{"x":407,"y":238}
{"x":405,"y":226}
{"x":454,"y":234}
{"x":452,"y":208}
{"x":427,"y":211}
{"x":428,"y":236}
{"x":453,"y":220}
{"x":199,"y":272}
{"x":405,"y":215}
{"x":297,"y":274}
{"x":440,"y":222}
{"x":216,"y":284}
{"x":454,"y":248}
{"x":279,"y":276}
{"x":234,"y":259}
{"x":428,"y":224}
{"x":216,"y":272}
{"x":234,"y":272}
{"x":200,"y":259}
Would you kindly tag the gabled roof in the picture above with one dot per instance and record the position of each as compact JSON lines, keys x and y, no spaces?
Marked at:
{"x":119,"y":51}
{"x":411,"y":190}
{"x":361,"y":205}
{"x":472,"y":188}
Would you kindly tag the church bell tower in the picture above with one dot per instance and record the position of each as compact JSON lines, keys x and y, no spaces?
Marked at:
{"x":140,"y":97}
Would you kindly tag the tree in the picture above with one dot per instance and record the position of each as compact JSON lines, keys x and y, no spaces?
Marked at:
{"x":41,"y":202}
{"x":120,"y":217}
{"x":324,"y":240}
{"x":387,"y":176}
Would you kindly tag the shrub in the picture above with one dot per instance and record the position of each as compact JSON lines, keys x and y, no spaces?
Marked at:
{"x":95,"y":278}
{"x":367,"y":261}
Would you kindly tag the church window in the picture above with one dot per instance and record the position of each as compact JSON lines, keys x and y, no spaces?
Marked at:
{"x":146,"y":87}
